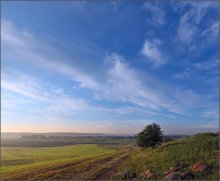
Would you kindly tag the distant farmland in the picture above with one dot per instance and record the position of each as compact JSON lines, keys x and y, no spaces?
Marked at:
{"x":64,"y":141}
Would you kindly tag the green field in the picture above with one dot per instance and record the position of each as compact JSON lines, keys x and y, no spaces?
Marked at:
{"x":58,"y":162}
{"x":201,"y":148}
{"x":18,"y":142}
{"x":109,"y":161}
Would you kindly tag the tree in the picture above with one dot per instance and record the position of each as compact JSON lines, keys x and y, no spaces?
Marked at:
{"x":151,"y":136}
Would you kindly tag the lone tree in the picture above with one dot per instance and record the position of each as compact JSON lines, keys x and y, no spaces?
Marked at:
{"x":151,"y":136}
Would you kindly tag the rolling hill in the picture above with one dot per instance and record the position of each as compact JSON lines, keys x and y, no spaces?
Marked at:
{"x":201,"y":149}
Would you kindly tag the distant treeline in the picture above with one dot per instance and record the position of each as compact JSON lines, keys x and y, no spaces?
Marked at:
{"x":47,"y":141}
{"x":175,"y":137}
{"x":42,"y":137}
{"x":36,"y":136}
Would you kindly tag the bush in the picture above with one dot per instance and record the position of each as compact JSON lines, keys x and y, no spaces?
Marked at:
{"x":151,"y":136}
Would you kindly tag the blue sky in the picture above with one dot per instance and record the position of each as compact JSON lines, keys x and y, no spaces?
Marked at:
{"x":110,"y":67}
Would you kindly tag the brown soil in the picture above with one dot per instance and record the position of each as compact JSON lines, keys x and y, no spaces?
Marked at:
{"x":86,"y":169}
{"x":108,"y":173}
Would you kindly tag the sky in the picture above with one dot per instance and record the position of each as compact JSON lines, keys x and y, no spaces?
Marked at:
{"x":110,"y":66}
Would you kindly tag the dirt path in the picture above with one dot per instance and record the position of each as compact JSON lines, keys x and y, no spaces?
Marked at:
{"x":108,"y":173}
{"x":38,"y":172}
{"x":87,"y":169}
{"x":84,"y":170}
{"x":102,"y":169}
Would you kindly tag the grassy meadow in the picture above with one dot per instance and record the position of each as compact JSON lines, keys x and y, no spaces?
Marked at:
{"x":201,"y":148}
{"x":55,"y":162}
{"x":110,"y":161}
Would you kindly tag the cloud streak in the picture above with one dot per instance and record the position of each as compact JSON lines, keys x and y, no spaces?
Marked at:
{"x":122,"y":83}
{"x":152,"y":53}
{"x":32,"y":51}
{"x":157,"y":13}
{"x":189,"y":31}
{"x":136,"y":93}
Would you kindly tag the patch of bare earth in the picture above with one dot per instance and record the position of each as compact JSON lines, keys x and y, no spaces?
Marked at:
{"x":108,"y":173}
{"x":83,"y":170}
{"x":102,"y":169}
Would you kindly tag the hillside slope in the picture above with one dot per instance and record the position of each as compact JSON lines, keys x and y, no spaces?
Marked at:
{"x":200,"y":148}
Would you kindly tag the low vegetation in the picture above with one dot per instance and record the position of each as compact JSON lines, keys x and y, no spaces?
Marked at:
{"x":111,"y":158}
{"x":68,"y":162}
{"x":200,"y":148}
{"x":65,"y":141}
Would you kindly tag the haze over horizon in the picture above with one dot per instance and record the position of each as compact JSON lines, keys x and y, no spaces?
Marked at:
{"x":109,"y":67}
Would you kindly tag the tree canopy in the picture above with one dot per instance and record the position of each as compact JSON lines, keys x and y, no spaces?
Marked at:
{"x":151,"y":136}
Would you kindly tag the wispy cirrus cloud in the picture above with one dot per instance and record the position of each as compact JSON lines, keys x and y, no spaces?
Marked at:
{"x":124,"y":84}
{"x":119,"y":78}
{"x":197,"y":10}
{"x":151,"y":51}
{"x":35,"y":92}
{"x":214,"y":113}
{"x":30,"y":50}
{"x":208,"y":64}
{"x":156,"y":13}
{"x":120,"y":83}
{"x":211,"y":32}
{"x":182,"y":75}
{"x":188,"y":31}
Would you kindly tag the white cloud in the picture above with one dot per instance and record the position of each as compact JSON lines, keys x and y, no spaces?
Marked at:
{"x":157,"y":14}
{"x":212,"y":32}
{"x":200,"y":9}
{"x":121,"y":83}
{"x":31,"y":87}
{"x":118,"y":78}
{"x":210,"y":125}
{"x":208,"y":64}
{"x":152,"y":53}
{"x":125,"y":84}
{"x":10,"y":101}
{"x":23,"y":84}
{"x":30,"y":50}
{"x":188,"y":98}
{"x":214,"y":113}
{"x":189,"y":31}
{"x":197,"y":9}
{"x":186,"y":29}
{"x":182,"y":75}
